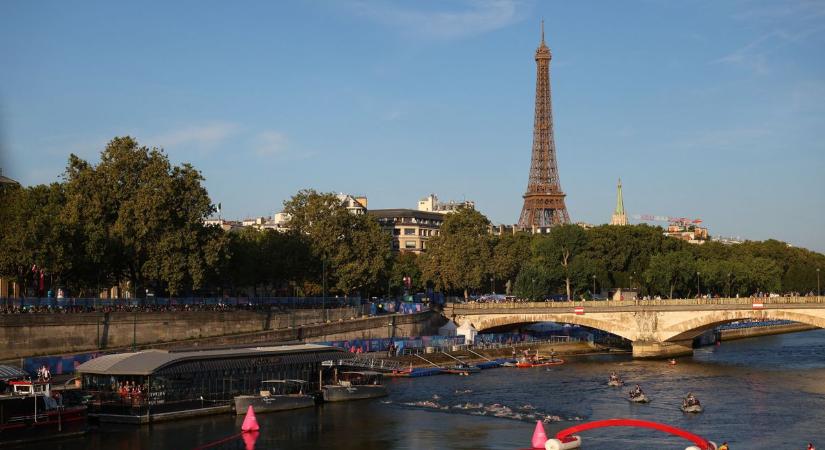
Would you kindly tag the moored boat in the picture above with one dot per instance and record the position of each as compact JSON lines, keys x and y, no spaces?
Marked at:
{"x":31,"y":411}
{"x":461,"y":369}
{"x":276,"y":395}
{"x":355,"y":386}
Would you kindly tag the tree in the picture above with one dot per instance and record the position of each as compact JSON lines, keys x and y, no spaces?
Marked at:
{"x":671,"y":272}
{"x":353,"y":247}
{"x":34,"y":239}
{"x":562,"y":246}
{"x":142,"y":217}
{"x":510,"y":253}
{"x":536,"y":281}
{"x":458,"y":258}
{"x":405,"y":264}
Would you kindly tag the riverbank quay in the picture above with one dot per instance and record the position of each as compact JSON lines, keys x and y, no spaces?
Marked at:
{"x":762,"y":330}
{"x":61,"y":345}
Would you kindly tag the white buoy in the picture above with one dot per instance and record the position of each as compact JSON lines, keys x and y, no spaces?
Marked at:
{"x":555,"y":444}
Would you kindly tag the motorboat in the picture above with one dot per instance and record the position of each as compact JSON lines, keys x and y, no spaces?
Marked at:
{"x":461,"y":369}
{"x":538,"y":362}
{"x":32,"y":411}
{"x":355,"y":386}
{"x":276,"y":395}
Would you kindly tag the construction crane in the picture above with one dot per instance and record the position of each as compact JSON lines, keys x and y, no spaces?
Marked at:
{"x":683,"y":221}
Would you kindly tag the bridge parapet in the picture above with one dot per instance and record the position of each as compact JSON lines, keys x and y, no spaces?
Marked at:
{"x":653,"y":302}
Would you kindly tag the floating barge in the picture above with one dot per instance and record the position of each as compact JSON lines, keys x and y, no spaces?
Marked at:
{"x":159,"y":385}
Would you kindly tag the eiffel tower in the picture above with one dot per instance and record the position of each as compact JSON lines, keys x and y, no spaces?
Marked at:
{"x":544,"y":200}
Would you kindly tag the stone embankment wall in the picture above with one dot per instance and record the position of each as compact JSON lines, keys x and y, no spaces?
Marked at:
{"x":23,"y":335}
{"x":742,"y":333}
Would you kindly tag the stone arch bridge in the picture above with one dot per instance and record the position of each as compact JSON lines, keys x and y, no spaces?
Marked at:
{"x":657,"y":328}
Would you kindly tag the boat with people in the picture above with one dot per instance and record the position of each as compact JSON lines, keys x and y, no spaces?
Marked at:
{"x":32,"y":411}
{"x":461,"y":368}
{"x":538,"y":362}
{"x":276,"y":395}
{"x":614,"y":380}
{"x":355,"y":386}
{"x":638,"y":396}
{"x":691,"y":404}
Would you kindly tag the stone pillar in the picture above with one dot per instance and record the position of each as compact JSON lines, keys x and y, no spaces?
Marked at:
{"x":4,"y":288}
{"x":653,"y":349}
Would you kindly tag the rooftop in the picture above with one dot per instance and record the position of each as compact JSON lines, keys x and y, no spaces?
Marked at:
{"x":406,"y":213}
{"x":146,"y":362}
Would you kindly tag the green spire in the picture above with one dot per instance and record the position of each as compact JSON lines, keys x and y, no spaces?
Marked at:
{"x":619,"y":200}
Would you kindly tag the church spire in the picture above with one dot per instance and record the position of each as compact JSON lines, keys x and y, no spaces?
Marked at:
{"x":619,"y":216}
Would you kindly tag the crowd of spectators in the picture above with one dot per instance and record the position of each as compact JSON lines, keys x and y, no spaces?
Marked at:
{"x":557,"y":298}
{"x":110,"y":306}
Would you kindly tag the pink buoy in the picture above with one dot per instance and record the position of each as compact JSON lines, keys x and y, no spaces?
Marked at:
{"x":539,"y":436}
{"x":250,"y":422}
{"x":249,"y":440}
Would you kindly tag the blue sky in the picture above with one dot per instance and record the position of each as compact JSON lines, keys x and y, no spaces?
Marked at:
{"x":705,"y":109}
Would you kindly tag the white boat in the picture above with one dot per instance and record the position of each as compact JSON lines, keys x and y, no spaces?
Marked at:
{"x":615,"y":383}
{"x":276,"y":395}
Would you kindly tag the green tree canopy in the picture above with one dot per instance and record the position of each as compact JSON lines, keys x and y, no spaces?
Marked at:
{"x":458,"y":258}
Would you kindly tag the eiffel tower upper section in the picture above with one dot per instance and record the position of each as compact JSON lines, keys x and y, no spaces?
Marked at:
{"x":544,"y":200}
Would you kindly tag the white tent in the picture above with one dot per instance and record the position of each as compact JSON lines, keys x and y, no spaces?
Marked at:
{"x":448,"y":329}
{"x":468,"y":331}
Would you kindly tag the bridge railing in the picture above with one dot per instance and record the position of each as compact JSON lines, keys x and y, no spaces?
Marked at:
{"x":796,"y":300}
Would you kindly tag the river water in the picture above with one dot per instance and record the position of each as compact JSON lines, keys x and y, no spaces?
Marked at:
{"x":761,"y":393}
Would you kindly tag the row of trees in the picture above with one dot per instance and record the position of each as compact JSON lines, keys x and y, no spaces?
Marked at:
{"x":575,"y":262}
{"x":136,"y":220}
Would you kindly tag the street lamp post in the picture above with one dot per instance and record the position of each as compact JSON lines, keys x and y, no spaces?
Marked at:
{"x":492,"y":286}
{"x":817,"y":282}
{"x":698,"y":286}
{"x":594,"y":286}
{"x":729,"y":274}
{"x":323,"y":284}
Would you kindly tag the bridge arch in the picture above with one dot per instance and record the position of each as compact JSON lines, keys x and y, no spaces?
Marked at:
{"x":690,"y":328}
{"x":497,"y":320}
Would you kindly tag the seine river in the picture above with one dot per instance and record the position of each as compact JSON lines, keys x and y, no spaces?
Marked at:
{"x":762,"y":393}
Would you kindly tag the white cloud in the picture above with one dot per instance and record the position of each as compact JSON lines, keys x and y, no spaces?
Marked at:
{"x":206,"y":135}
{"x":476,"y":17}
{"x":268,"y":143}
